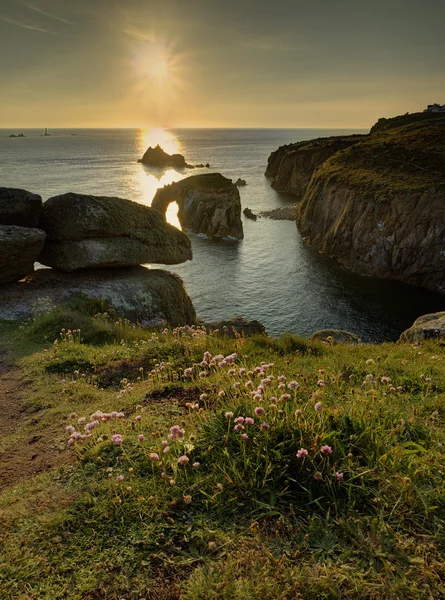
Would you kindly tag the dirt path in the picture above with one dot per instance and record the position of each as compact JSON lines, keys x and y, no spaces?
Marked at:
{"x":30,"y":453}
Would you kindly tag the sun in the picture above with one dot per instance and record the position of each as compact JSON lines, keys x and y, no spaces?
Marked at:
{"x":159,"y":69}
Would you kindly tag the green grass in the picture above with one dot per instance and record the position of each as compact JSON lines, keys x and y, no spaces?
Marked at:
{"x":252,"y":520}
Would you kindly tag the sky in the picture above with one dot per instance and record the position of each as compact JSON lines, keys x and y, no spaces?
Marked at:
{"x":218,"y":63}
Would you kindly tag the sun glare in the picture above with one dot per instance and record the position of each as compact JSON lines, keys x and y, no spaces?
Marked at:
{"x":158,"y":70}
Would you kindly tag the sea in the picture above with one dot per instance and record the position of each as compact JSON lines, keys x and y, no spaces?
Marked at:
{"x":271,"y":275}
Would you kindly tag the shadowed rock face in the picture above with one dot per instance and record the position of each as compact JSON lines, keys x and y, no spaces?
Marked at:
{"x":19,"y":249}
{"x":136,"y":293}
{"x":91,"y":231}
{"x":378,"y":207}
{"x":291,"y":166}
{"x":208,"y":204}
{"x":19,"y":207}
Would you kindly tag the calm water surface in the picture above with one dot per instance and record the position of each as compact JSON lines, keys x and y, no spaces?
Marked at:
{"x":271,"y":275}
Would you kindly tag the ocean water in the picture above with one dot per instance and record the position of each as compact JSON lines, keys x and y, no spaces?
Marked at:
{"x":271,"y":275}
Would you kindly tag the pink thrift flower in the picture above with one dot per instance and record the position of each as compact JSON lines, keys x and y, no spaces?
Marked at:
{"x":293,"y":385}
{"x":249,"y":421}
{"x":238,"y":427}
{"x":318,"y":406}
{"x":120,"y":478}
{"x":183,"y":460}
{"x":244,"y":436}
{"x":138,"y":419}
{"x":264,"y":426}
{"x":259,"y":411}
{"x":70,"y":429}
{"x":326,"y":450}
{"x":285,"y":397}
{"x":320,"y":383}
{"x":339,"y":476}
{"x":302,"y":452}
{"x":153,"y":456}
{"x":196,"y":465}
{"x":117,"y":439}
{"x":141,"y":437}
{"x":317,"y":476}
{"x":229,"y":415}
{"x":239,"y":420}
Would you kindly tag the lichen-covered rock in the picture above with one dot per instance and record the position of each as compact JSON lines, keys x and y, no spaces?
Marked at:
{"x":136,"y":293}
{"x":425,"y":327}
{"x":236,"y":326}
{"x":156,"y":157}
{"x":91,"y":231}
{"x":19,"y":207}
{"x":247,"y":212}
{"x":291,"y":166}
{"x":335,"y":336}
{"x":208,"y":204}
{"x":378,"y":207}
{"x":19,"y":249}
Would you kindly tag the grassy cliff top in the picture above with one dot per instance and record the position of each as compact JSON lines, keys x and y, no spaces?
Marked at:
{"x":188,"y":466}
{"x":406,"y":158}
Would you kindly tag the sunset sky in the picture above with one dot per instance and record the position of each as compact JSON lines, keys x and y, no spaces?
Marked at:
{"x":218,"y":63}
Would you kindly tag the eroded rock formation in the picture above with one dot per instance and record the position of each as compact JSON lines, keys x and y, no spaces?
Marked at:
{"x":91,"y":231}
{"x":208,"y":204}
{"x":425,"y":328}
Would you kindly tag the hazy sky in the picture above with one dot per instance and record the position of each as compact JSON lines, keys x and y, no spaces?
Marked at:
{"x":218,"y":63}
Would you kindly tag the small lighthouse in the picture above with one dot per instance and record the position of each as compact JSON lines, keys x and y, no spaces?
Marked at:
{"x":46,"y":134}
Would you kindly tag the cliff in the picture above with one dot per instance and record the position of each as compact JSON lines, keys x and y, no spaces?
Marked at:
{"x":378,"y":207}
{"x":291,"y":166}
{"x":208,"y":204}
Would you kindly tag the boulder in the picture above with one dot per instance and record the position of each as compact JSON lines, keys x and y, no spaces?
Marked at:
{"x":284,"y":213}
{"x":19,"y":207}
{"x":240,"y":182}
{"x":249,"y":214}
{"x":425,"y":327}
{"x":19,"y":249}
{"x":236,"y":326}
{"x":92,"y":231}
{"x":156,"y":157}
{"x":136,"y":293}
{"x":335,"y":336}
{"x":208,"y":204}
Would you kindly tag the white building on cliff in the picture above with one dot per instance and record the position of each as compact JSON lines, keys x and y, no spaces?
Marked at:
{"x":435,"y":108}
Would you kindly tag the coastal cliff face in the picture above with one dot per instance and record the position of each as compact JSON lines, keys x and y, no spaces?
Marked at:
{"x":291,"y":166}
{"x":379,"y":206}
{"x":208,"y":204}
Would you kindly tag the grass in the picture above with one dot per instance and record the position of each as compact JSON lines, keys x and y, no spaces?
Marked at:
{"x":360,"y":515}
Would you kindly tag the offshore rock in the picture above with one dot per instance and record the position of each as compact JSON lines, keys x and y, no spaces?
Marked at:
{"x":291,"y":166}
{"x":136,"y":293}
{"x":19,"y":249}
{"x":378,"y":207}
{"x":283,"y":213}
{"x":156,"y":157}
{"x":240,"y":182}
{"x":92,"y":231}
{"x":208,"y":204}
{"x":249,"y":214}
{"x":425,"y":328}
{"x":19,"y":207}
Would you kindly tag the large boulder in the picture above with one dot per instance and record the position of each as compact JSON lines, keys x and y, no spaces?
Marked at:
{"x":236,"y":327}
{"x":156,"y":157}
{"x":19,"y":249}
{"x":19,"y":207}
{"x":425,"y":327}
{"x":136,"y":293}
{"x":335,"y":336}
{"x":208,"y":204}
{"x":92,"y":231}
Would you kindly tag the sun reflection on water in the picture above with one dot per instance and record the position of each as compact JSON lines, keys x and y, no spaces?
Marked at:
{"x":150,"y":179}
{"x":164,"y":137}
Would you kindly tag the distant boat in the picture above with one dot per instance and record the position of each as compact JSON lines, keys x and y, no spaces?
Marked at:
{"x":46,"y":134}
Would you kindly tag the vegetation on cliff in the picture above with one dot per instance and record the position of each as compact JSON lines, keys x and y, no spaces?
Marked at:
{"x":194,"y":466}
